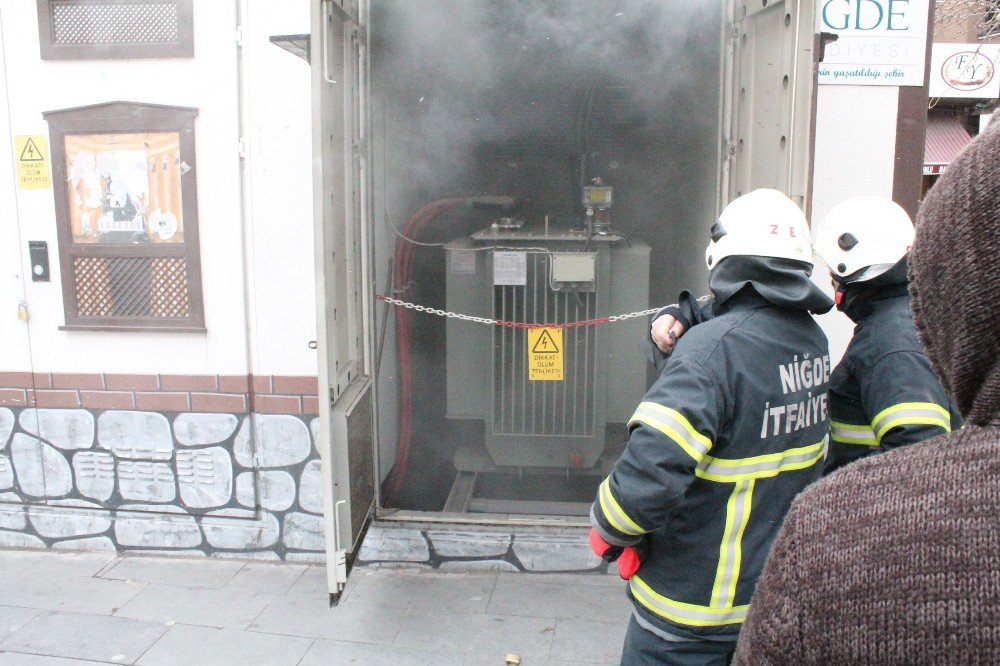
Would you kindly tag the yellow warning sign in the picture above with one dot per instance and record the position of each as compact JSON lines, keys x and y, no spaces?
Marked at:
{"x":545,"y":354}
{"x":32,"y":162}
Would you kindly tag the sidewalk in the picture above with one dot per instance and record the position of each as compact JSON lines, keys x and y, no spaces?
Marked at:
{"x":78,"y":608}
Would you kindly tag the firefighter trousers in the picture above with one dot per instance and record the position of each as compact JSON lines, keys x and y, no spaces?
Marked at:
{"x":644,"y":648}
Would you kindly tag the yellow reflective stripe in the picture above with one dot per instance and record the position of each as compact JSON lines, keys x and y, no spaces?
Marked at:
{"x":727,"y":572}
{"x":911,"y":405}
{"x":614,"y":513}
{"x":910,"y":413}
{"x":691,"y":615}
{"x":849,"y":433}
{"x":760,"y":467}
{"x":913,"y":420}
{"x":674,"y":425}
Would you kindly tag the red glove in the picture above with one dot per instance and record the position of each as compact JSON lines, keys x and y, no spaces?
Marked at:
{"x":602,"y":548}
{"x":628,"y":563}
{"x":628,"y":558}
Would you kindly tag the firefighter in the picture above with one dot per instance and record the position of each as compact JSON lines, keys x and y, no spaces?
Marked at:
{"x":883,"y":393}
{"x":734,"y":427}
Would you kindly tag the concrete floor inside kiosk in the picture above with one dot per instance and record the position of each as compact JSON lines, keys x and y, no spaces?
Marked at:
{"x":530,"y":100}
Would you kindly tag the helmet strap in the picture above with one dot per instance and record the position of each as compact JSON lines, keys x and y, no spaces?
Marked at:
{"x":838,"y":297}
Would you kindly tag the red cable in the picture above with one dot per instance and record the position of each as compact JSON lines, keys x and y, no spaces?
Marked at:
{"x":402,"y":271}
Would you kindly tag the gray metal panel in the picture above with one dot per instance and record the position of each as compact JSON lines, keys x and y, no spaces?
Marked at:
{"x":352,"y":429}
{"x":341,"y":190}
{"x":626,"y":363}
{"x":468,"y":344}
{"x":773,"y":83}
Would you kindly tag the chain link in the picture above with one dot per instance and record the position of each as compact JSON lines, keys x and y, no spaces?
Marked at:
{"x":512,"y":324}
{"x":633,"y":315}
{"x":435,"y":311}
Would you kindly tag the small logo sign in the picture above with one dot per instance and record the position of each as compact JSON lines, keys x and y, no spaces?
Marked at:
{"x":967,"y":71}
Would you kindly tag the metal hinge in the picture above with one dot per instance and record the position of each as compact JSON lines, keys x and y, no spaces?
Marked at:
{"x":239,"y":36}
{"x":340,"y":555}
{"x":241,"y":146}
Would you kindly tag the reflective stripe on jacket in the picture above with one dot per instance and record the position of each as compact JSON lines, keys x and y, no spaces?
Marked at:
{"x":735,"y":426}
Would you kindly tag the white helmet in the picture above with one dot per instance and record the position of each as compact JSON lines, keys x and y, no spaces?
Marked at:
{"x":762,"y":223}
{"x":863,"y":237}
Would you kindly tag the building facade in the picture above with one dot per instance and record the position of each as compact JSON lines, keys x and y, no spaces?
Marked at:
{"x":158,"y":373}
{"x":152,"y":398}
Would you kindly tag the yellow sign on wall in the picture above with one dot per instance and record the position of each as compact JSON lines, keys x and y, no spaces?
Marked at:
{"x":545,"y":354}
{"x":32,"y":162}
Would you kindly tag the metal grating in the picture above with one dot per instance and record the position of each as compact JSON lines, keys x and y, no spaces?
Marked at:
{"x":131,"y":287}
{"x":82,"y":23}
{"x":524,"y":407}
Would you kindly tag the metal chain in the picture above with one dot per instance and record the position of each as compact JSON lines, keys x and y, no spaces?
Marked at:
{"x":434,"y":311}
{"x":633,"y":315}
{"x":513,"y":324}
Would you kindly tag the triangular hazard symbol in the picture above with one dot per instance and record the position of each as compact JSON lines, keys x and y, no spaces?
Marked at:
{"x":30,"y":153}
{"x":545,"y":345}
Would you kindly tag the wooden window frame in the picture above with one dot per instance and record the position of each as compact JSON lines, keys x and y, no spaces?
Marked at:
{"x":182,"y":48}
{"x":120,"y":118}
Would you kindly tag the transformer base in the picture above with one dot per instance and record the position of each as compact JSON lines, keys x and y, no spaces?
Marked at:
{"x":476,"y":469}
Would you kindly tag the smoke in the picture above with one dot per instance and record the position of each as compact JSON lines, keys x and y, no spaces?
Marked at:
{"x":457,"y":78}
{"x":530,"y":98}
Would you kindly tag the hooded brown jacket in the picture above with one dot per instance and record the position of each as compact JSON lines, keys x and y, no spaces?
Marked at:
{"x":896,"y":559}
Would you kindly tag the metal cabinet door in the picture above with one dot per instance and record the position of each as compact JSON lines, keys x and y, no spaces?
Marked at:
{"x":770,"y":84}
{"x":341,"y":191}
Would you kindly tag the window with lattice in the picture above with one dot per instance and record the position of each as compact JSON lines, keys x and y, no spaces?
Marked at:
{"x":72,"y":29}
{"x":126,"y":207}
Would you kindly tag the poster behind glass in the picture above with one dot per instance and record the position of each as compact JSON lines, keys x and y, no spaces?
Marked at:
{"x":125,"y":187}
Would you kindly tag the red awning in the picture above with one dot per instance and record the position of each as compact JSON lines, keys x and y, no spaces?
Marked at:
{"x":946,"y":137}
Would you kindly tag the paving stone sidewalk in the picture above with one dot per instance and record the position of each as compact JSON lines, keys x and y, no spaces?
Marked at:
{"x":81,"y":608}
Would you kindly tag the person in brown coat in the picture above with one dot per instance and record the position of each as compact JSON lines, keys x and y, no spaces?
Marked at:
{"x":896,"y":559}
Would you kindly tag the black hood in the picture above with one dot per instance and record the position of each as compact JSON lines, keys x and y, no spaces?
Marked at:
{"x":855,"y":298}
{"x":781,"y":282}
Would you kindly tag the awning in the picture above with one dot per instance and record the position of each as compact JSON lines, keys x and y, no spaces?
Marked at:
{"x":946,"y":137}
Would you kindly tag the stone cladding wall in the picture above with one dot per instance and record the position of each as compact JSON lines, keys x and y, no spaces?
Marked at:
{"x":481,"y":548}
{"x":195,"y":483}
{"x":175,"y":464}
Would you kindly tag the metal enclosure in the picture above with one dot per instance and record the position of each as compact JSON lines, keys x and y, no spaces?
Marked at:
{"x":765,"y":140}
{"x":543,"y":424}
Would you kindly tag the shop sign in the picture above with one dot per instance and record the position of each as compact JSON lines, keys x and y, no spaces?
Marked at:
{"x":965,"y":70}
{"x":879,"y":42}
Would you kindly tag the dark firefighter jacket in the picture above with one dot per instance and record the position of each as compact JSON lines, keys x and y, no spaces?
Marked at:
{"x":883,"y":393}
{"x":732,"y":430}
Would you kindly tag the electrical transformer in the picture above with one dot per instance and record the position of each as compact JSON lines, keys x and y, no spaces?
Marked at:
{"x":546,"y":394}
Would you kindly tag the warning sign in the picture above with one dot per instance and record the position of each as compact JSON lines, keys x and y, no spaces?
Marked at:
{"x":32,"y":162}
{"x":545,"y":354}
